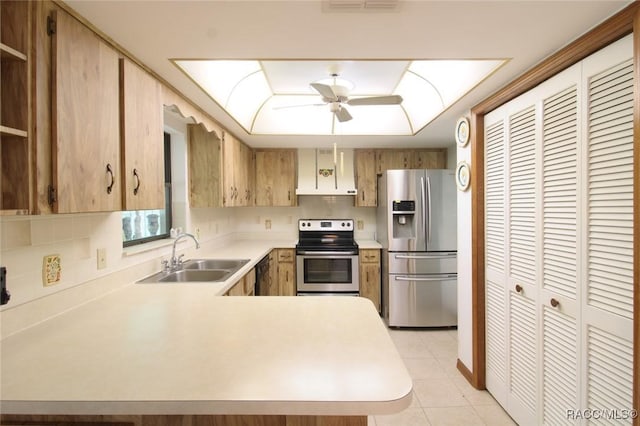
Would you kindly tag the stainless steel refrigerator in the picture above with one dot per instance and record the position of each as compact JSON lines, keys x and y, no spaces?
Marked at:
{"x":416,"y":223}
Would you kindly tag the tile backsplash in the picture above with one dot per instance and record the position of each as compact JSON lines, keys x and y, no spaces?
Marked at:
{"x":76,"y":238}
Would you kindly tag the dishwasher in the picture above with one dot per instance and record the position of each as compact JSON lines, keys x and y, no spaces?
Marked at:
{"x":262,"y":277}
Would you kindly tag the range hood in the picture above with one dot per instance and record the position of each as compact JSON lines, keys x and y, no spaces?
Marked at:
{"x":325,"y":172}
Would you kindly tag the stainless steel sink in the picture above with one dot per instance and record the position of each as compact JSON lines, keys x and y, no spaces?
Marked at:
{"x":198,"y":270}
{"x":197,"y":275}
{"x":214,"y":263}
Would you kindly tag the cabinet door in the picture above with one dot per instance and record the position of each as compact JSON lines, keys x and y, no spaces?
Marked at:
{"x":274,"y":287}
{"x":275,"y":178}
{"x":429,"y":159}
{"x":370,"y":276}
{"x":249,"y":172}
{"x":286,"y":272}
{"x":392,"y":159}
{"x":142,"y":138}
{"x":286,"y":279}
{"x":85,"y":113}
{"x":229,"y":155}
{"x":366,"y":178}
{"x":205,"y":167}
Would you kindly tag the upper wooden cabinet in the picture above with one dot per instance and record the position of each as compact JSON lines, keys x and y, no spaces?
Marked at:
{"x":205,"y":167}
{"x":371,"y":163}
{"x":391,"y":159}
{"x":85,"y":119}
{"x":366,"y":178}
{"x":238,"y":172}
{"x":276,"y":177}
{"x":142,"y":138}
{"x":15,"y":152}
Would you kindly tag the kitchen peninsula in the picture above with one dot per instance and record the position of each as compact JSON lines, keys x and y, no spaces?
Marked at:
{"x":147,"y":353}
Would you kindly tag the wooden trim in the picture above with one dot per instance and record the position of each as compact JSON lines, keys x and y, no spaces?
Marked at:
{"x":466,"y":373}
{"x":636,"y":216}
{"x":477,"y":252}
{"x":604,"y":34}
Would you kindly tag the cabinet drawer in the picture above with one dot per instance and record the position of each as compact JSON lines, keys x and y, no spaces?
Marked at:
{"x":286,"y":255}
{"x":369,"y":256}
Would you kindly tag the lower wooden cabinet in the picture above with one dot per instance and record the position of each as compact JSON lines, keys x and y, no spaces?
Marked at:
{"x":245,"y":285}
{"x":279,"y":278}
{"x":370,"y":283}
{"x":286,"y":272}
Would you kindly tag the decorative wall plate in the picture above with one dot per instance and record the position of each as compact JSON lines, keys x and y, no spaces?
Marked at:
{"x":462,"y":131}
{"x":463,"y":176}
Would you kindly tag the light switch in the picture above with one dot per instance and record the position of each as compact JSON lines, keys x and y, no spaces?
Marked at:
{"x":102,"y":258}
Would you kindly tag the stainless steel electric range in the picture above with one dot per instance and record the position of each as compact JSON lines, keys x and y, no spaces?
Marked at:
{"x":327,"y":258}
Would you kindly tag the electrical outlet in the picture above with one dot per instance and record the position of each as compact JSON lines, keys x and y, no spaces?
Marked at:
{"x":267,"y":224}
{"x":360,"y":225}
{"x":102,"y":258}
{"x":197,"y":232}
{"x":51,"y":269}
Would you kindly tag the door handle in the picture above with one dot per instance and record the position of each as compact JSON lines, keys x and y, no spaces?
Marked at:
{"x":425,"y":256}
{"x":447,"y":278}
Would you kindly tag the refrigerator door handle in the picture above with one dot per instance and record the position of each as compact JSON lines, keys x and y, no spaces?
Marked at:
{"x":429,"y":208}
{"x":423,"y":210}
{"x":408,"y":278}
{"x":426,"y":256}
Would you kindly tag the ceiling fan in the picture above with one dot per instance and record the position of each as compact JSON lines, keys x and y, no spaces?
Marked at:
{"x":337,"y":95}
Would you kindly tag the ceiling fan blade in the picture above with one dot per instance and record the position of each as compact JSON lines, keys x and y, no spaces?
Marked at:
{"x":325,"y":91}
{"x":342,"y":114}
{"x":376,"y":100}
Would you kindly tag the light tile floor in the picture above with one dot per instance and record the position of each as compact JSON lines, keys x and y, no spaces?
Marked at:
{"x":441,"y":395}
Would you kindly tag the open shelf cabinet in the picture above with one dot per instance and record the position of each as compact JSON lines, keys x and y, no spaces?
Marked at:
{"x":15,"y":149}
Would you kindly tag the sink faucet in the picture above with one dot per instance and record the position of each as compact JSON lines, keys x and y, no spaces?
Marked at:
{"x":176,"y":262}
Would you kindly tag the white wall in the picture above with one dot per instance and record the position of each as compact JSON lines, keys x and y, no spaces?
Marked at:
{"x":465,"y":353}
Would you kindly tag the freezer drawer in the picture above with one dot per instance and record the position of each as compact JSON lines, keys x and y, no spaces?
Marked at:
{"x":422,"y":262}
{"x":422,"y":301}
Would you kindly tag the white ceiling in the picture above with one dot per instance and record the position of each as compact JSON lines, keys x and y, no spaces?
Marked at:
{"x":525,"y":32}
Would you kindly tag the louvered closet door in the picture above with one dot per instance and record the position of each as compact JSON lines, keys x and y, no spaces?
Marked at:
{"x":496,"y":300}
{"x":608,"y":299}
{"x":522,"y":289}
{"x":560,"y":247}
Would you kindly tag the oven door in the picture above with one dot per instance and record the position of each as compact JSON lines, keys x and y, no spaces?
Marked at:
{"x":327,"y":272}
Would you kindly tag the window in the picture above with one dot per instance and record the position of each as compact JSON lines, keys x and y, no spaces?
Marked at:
{"x":142,"y":226}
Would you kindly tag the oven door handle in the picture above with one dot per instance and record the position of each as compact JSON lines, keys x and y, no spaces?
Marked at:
{"x":446,"y":278}
{"x":327,"y":253}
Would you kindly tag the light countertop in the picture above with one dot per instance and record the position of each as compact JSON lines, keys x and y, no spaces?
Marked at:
{"x":185,"y":350}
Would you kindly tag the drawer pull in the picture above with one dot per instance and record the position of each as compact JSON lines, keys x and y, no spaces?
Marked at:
{"x":137,"y":178}
{"x":110,"y":172}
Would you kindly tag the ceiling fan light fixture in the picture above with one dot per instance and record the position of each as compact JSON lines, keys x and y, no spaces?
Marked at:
{"x":340,"y":86}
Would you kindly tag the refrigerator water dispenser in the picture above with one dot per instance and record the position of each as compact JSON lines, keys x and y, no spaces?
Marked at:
{"x":403,"y":219}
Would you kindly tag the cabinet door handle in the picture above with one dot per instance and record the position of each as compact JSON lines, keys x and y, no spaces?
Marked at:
{"x":289,"y":195}
{"x":110,"y":172}
{"x":138,"y":181}
{"x":518,"y":288}
{"x":554,"y":303}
